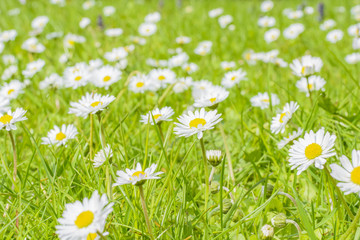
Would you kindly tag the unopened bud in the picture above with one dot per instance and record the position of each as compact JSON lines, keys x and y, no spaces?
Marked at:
{"x":227,"y":204}
{"x":214,"y":157}
{"x":214,"y":187}
{"x":238,"y":215}
{"x":267,"y":232}
{"x":279,"y":221}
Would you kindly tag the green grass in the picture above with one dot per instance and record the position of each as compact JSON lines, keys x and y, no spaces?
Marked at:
{"x":49,"y":177}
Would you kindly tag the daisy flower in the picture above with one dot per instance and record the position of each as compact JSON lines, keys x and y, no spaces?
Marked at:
{"x":116,"y":54}
{"x":211,"y":97}
{"x":232,"y":78}
{"x":314,"y":148}
{"x":59,"y":136}
{"x":196,"y":123}
{"x":215,"y":12}
{"x":141,"y":83}
{"x":102,"y":156}
{"x":138,"y":40}
{"x":77,"y":76}
{"x":334,"y":36}
{"x":109,"y":10}
{"x":225,"y":20}
{"x":203,"y":48}
{"x":32,"y":45}
{"x":113,"y":32}
{"x":190,"y":67}
{"x":182,"y":40}
{"x":178,"y":60}
{"x":354,"y":30}
{"x":306,"y":65}
{"x":182,"y":84}
{"x":327,"y":24}
{"x":33,"y":67}
{"x":159,"y":115}
{"x":12,"y":89}
{"x":312,"y":83}
{"x":136,"y":176}
{"x":162,"y":77}
{"x":290,"y":138}
{"x":105,"y":76}
{"x":293,"y":31}
{"x":70,"y":40}
{"x":39,"y":22}
{"x":84,"y":22}
{"x":266,"y":6}
{"x":266,"y":21}
{"x":152,"y":17}
{"x":272,"y":35}
{"x":227,"y":65}
{"x":147,"y":29}
{"x":279,"y":122}
{"x":348,"y":173}
{"x":9,"y":72}
{"x":90,"y":104}
{"x":262,"y":100}
{"x":8,"y":119}
{"x":353,"y":58}
{"x":8,"y":35}
{"x":82,"y":220}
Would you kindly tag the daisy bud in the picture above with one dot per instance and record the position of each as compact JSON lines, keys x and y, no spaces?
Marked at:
{"x":267,"y":232}
{"x":227,"y":204}
{"x":238,"y":215}
{"x":214,"y":157}
{"x":279,"y":221}
{"x":214,"y":187}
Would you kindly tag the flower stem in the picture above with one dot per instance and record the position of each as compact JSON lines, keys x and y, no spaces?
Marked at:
{"x":296,"y":225}
{"x":107,"y":171}
{"x":228,"y":157}
{"x":206,"y":181}
{"x":288,"y":196}
{"x":91,"y":136}
{"x":161,"y":132}
{"x":15,"y":170}
{"x":213,"y":169}
{"x":143,"y":204}
{"x":352,"y":227}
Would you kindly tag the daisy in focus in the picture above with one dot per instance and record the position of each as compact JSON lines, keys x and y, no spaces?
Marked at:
{"x":136,"y":176}
{"x":105,"y":76}
{"x":306,"y":66}
{"x":314,"y":148}
{"x":262,"y":100}
{"x":8,"y":119}
{"x":159,"y":115}
{"x":279,"y":122}
{"x":232,"y":78}
{"x":83,"y":220}
{"x":348,"y":174}
{"x":211,"y":97}
{"x":102,"y":156}
{"x":310,"y":84}
{"x":196,"y":123}
{"x":59,"y":136}
{"x":90,"y":104}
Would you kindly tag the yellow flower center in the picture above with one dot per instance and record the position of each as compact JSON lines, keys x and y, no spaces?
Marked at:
{"x":139,"y":84}
{"x":84,"y":219}
{"x":106,"y":78}
{"x":95,"y":104}
{"x":137,"y":174}
{"x":161,"y":77}
{"x":78,"y":78}
{"x":195,"y":122}
{"x":11,"y":91}
{"x":233,"y":78}
{"x":313,"y":151}
{"x":248,"y":56}
{"x":355,"y":175}
{"x":188,"y":68}
{"x":60,"y":136}
{"x":6,"y":119}
{"x":91,"y":236}
{"x":310,"y":86}
{"x":281,"y":117}
{"x":71,"y":42}
{"x":156,"y":116}
{"x":265,"y":100}
{"x":212,"y":100}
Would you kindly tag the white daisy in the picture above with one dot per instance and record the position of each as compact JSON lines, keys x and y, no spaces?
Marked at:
{"x":32,"y":45}
{"x":290,"y":138}
{"x":152,"y":17}
{"x":147,"y":29}
{"x":54,"y":35}
{"x":9,"y":59}
{"x":8,"y":119}
{"x":215,"y":12}
{"x":105,"y":76}
{"x":353,"y":58}
{"x":84,"y":22}
{"x":116,"y":54}
{"x":54,"y":80}
{"x":211,"y":97}
{"x":109,"y":10}
{"x":59,"y":136}
{"x":334,"y":36}
{"x":178,"y":60}
{"x":33,"y":67}
{"x":271,"y":35}
{"x":102,"y":156}
{"x":203,"y":48}
{"x":232,"y":78}
{"x":262,"y":100}
{"x":266,"y":6}
{"x":138,"y":40}
{"x":159,"y":115}
{"x":182,"y":84}
{"x":314,"y":148}
{"x":9,"y":72}
{"x":279,"y":122}
{"x":82,"y":220}
{"x":12,"y":89}
{"x":113,"y":32}
{"x":90,"y":104}
{"x":348,"y":174}
{"x":136,"y":176}
{"x":141,"y":83}
{"x":39,"y":22}
{"x":196,"y":123}
{"x":312,"y":83}
{"x":77,"y":76}
{"x":70,"y":40}
{"x":225,"y":20}
{"x":190,"y":67}
{"x":354,"y":30}
{"x":8,"y":35}
{"x":306,"y":65}
{"x":266,"y":21}
{"x":227,"y":65}
{"x":200,"y":87}
{"x":162,"y":77}
{"x":327,"y":24}
{"x":182,"y":40}
{"x":293,"y":31}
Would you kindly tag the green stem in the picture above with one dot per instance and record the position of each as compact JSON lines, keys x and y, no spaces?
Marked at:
{"x":107,"y":171}
{"x":352,"y":227}
{"x":15,"y":171}
{"x":206,"y":181}
{"x":143,"y":204}
{"x":161,"y":132}
{"x":91,"y":136}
